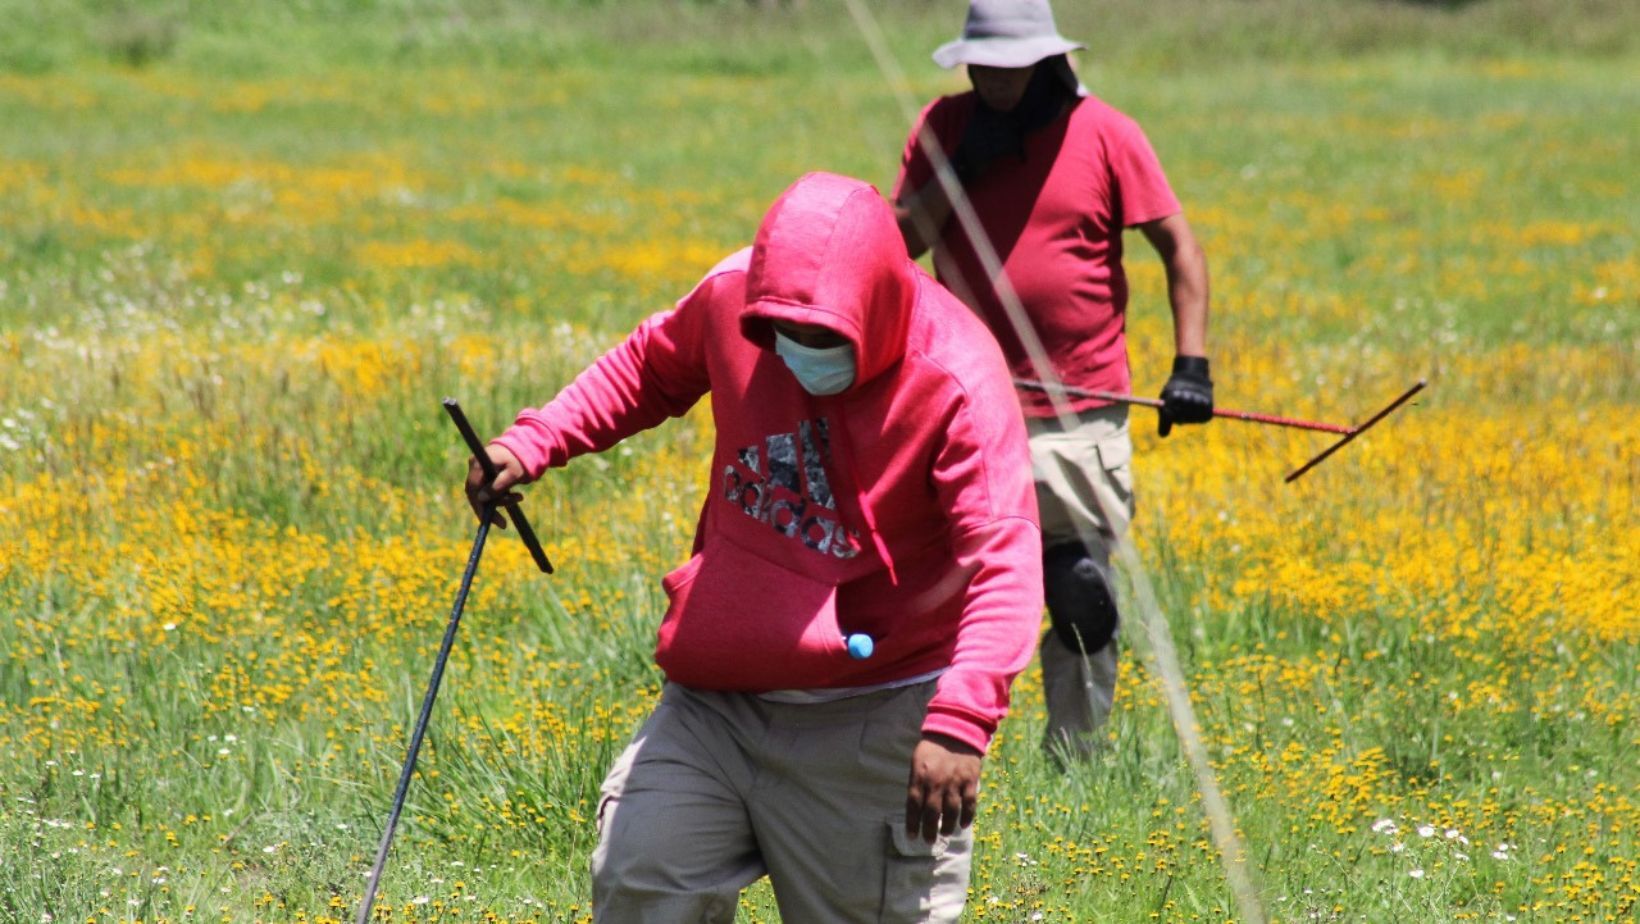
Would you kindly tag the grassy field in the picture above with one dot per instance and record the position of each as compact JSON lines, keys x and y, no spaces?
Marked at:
{"x":246,"y":248}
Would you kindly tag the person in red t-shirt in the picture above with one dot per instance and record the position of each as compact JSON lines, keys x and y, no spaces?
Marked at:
{"x":1055,"y":176}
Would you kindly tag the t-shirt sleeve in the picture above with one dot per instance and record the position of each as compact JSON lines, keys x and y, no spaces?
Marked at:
{"x":1142,"y":190}
{"x":915,"y":168}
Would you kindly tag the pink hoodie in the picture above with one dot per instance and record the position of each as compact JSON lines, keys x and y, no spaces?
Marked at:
{"x":902,"y":508}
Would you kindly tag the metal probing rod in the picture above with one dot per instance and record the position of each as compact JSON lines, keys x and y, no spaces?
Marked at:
{"x":421,"y":721}
{"x":534,"y":545}
{"x":513,"y":510}
{"x":1405,"y":397}
{"x":1250,"y":416}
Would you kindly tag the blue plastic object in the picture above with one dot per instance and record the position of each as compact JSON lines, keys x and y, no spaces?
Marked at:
{"x":860,"y":646}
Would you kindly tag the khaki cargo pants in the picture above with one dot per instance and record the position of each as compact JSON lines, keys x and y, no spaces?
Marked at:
{"x":719,"y":789}
{"x":1084,"y":490}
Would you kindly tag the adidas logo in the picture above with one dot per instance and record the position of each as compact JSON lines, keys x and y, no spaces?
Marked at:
{"x":783,"y":483}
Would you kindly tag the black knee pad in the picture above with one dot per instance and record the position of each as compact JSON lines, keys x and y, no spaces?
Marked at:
{"x":1081,"y":601}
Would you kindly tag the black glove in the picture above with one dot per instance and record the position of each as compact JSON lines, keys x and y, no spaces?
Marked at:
{"x":1187,"y":397}
{"x":989,"y":135}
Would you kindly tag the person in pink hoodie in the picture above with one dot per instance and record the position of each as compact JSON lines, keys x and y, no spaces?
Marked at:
{"x":865,"y":585}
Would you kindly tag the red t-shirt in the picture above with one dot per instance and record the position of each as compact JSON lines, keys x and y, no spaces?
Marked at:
{"x":1056,"y":221}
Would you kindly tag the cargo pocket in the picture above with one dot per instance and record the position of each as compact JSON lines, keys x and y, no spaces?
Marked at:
{"x":1116,"y":491}
{"x":609,"y":793}
{"x":737,"y":621}
{"x":909,"y":873}
{"x":926,"y":883}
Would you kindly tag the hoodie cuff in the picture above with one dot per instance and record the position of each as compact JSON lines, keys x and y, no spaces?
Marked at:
{"x":528,"y":447}
{"x":957,"y":725}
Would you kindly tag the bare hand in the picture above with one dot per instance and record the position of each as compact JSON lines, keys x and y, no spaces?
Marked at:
{"x":944,"y":788}
{"x":482,"y":496}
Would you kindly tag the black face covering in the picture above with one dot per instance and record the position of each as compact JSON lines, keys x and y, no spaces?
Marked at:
{"x":992,"y":133}
{"x":1052,"y":85}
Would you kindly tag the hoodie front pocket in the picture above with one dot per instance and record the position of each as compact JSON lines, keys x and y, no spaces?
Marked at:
{"x":737,"y":621}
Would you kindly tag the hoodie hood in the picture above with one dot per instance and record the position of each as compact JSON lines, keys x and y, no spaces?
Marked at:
{"x":829,"y":253}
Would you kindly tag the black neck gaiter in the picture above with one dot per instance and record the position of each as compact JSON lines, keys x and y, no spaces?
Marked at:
{"x":1052,"y":86}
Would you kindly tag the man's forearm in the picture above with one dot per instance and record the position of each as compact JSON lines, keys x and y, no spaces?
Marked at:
{"x":922,"y":217}
{"x":1187,"y":294}
{"x":1187,"y":288}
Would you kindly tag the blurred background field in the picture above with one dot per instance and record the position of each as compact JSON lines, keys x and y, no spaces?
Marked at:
{"x":245,"y":248}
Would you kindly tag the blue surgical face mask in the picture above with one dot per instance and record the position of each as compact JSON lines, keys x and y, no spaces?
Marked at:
{"x":820,"y":370}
